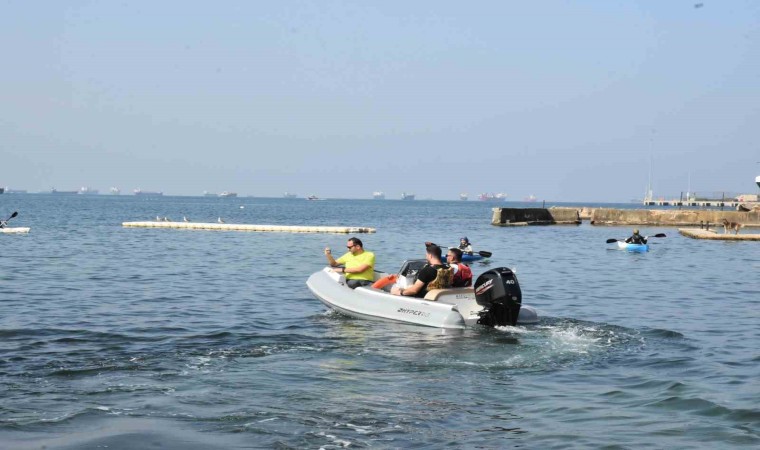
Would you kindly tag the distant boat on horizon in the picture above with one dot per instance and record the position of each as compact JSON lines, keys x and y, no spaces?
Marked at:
{"x":139,"y":191}
{"x":486,"y":197}
{"x":87,"y":191}
{"x":378,"y":195}
{"x":12,"y":191}
{"x":57,"y":192}
{"x":209,"y":194}
{"x":463,"y":196}
{"x":289,"y":195}
{"x":313,"y":197}
{"x":228,"y":194}
{"x":405,"y":196}
{"x":530,"y":198}
{"x":115,"y":191}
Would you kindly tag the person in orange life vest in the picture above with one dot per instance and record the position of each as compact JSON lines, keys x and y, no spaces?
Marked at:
{"x":462,"y":273}
{"x":359,"y":264}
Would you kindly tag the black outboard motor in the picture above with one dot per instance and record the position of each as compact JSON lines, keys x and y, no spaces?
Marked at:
{"x":498,"y":291}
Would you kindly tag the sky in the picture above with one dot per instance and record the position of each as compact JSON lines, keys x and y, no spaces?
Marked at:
{"x":561,"y":99}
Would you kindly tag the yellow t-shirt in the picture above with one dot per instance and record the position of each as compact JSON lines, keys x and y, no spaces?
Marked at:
{"x":351,"y":261}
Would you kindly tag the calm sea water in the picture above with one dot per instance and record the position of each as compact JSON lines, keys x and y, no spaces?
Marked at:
{"x":135,"y":338}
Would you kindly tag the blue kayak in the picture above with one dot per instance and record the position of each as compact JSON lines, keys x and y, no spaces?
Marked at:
{"x":640,"y":248}
{"x":471,"y":258}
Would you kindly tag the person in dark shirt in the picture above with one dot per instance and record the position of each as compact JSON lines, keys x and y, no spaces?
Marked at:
{"x":636,"y":238}
{"x":434,"y":275}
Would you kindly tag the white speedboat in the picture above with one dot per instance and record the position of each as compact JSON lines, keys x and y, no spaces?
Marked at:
{"x":495,"y":300}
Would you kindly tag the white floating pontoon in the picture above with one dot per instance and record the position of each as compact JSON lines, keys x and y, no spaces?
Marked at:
{"x":248,"y":227}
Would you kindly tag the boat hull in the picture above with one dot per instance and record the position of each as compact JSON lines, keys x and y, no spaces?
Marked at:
{"x":452,"y":308}
{"x":637,"y":248}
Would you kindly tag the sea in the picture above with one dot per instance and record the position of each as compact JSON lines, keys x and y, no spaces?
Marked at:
{"x":129,"y":338}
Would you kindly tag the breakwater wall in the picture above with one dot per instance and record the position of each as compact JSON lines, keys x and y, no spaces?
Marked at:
{"x":698,"y":233}
{"x":248,"y":227}
{"x":680,"y":218}
{"x":510,"y":217}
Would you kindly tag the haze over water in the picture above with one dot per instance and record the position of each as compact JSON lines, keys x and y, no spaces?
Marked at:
{"x":130,"y":338}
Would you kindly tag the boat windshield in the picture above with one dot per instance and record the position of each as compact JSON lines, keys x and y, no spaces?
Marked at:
{"x":410,"y":267}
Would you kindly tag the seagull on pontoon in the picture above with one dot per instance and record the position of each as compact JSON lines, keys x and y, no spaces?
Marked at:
{"x":166,"y":219}
{"x":219,"y":220}
{"x":185,"y":219}
{"x":158,"y":219}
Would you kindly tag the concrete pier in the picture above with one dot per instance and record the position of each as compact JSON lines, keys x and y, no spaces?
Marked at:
{"x":698,"y":233}
{"x":249,"y":227}
{"x":511,"y":217}
{"x":680,"y":218}
{"x":730,"y":203}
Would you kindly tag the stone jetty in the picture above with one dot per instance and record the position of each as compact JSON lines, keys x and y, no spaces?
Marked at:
{"x":699,"y":233}
{"x":555,"y":215}
{"x":672,"y":217}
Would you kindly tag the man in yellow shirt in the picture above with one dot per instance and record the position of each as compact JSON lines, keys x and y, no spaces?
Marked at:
{"x":359,"y":264}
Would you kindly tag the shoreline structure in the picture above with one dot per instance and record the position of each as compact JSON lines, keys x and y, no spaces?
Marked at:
{"x":708,"y":221}
{"x":561,"y":215}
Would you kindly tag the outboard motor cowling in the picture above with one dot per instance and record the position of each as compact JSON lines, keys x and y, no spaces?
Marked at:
{"x":498,"y":292}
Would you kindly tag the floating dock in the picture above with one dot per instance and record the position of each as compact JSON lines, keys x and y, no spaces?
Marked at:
{"x":15,"y":230}
{"x":248,"y":227}
{"x":698,"y":233}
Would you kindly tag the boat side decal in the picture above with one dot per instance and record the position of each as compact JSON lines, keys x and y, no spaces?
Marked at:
{"x":413,"y":312}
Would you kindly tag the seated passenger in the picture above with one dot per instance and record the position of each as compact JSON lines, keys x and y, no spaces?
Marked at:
{"x":462,"y":273}
{"x":359,"y":264}
{"x":433,"y":275}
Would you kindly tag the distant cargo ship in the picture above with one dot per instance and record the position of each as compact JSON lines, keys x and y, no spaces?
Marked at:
{"x":56,"y":191}
{"x":12,"y":191}
{"x":289,"y":195}
{"x":228,"y":194}
{"x":405,"y":196}
{"x":87,"y":191}
{"x":463,"y":196}
{"x":139,"y":191}
{"x":378,"y":195}
{"x":500,"y":197}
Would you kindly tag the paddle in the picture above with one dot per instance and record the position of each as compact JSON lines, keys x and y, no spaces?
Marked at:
{"x":658,"y":235}
{"x":485,"y":254}
{"x":3,"y":222}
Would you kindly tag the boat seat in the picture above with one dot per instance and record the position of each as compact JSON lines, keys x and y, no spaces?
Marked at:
{"x":436,"y":294}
